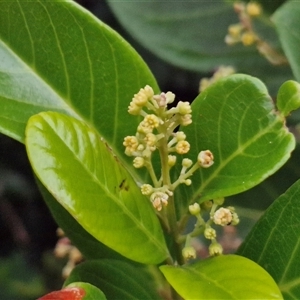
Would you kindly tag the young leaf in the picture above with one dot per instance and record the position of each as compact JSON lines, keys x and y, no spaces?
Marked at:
{"x":118,"y":280}
{"x":274,"y":242}
{"x":222,"y":277}
{"x":235,"y":118}
{"x":288,"y":98}
{"x":287,"y":23}
{"x":57,"y":56}
{"x":82,"y":173}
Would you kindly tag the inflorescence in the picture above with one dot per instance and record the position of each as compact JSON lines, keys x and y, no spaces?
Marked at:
{"x":157,"y":131}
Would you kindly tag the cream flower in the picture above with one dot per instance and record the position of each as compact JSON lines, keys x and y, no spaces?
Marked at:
{"x":182,"y":147}
{"x":205,"y":159}
{"x":222,"y":216}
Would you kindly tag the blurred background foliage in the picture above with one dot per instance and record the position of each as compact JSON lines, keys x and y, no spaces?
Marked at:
{"x":28,"y":267}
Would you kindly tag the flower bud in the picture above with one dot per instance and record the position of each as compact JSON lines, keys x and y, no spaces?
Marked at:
{"x":215,"y":249}
{"x":189,"y":253}
{"x":194,"y":209}
{"x":210,"y":233}
{"x":146,"y":189}
{"x":171,"y":160}
{"x":138,"y":162}
{"x":184,"y":108}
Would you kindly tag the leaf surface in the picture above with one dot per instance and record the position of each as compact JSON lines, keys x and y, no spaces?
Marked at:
{"x":89,"y":246}
{"x":235,"y":119}
{"x":222,"y":277}
{"x":287,"y":23}
{"x":118,"y":280}
{"x":191,"y":35}
{"x":57,"y":56}
{"x":82,"y":173}
{"x":274,"y":242}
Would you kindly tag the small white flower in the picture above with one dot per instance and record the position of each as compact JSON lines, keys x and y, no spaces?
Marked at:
{"x":131,"y":143}
{"x":222,"y":216}
{"x":159,"y":199}
{"x":205,"y":159}
{"x":185,"y":120}
{"x":150,"y":139}
{"x":150,"y":121}
{"x":182,"y":147}
{"x":146,"y":189}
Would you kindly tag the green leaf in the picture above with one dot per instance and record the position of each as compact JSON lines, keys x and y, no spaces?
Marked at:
{"x":288,"y":98}
{"x":287,"y":23}
{"x":274,"y":242}
{"x":184,"y":33}
{"x":235,"y":119}
{"x":57,"y":56}
{"x":191,"y":35}
{"x":89,"y":246}
{"x":91,"y":292}
{"x":222,"y":277}
{"x":118,"y":280}
{"x":82,"y":173}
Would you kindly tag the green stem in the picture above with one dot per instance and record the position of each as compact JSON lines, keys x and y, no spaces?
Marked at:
{"x":170,"y":208}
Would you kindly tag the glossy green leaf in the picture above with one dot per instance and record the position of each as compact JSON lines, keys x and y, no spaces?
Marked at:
{"x":287,"y":23}
{"x":274,"y":242}
{"x":118,"y":280}
{"x":56,"y":56}
{"x":89,"y":246}
{"x":81,"y":172}
{"x":222,"y":277}
{"x":190,"y":35}
{"x":235,"y":118}
{"x":288,"y":98}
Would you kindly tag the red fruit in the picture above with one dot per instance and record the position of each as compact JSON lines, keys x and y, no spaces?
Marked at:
{"x":73,"y":293}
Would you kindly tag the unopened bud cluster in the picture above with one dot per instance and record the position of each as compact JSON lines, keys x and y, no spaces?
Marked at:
{"x":242,"y":32}
{"x":218,"y":216}
{"x":156,"y":132}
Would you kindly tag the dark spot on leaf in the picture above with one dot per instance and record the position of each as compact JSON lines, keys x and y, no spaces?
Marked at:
{"x":123,"y":185}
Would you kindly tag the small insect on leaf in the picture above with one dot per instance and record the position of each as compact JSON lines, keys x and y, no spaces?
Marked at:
{"x":124,"y":185}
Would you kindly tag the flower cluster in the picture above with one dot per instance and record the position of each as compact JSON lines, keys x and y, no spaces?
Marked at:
{"x":221,"y":216}
{"x":242,"y":31}
{"x":156,"y":132}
